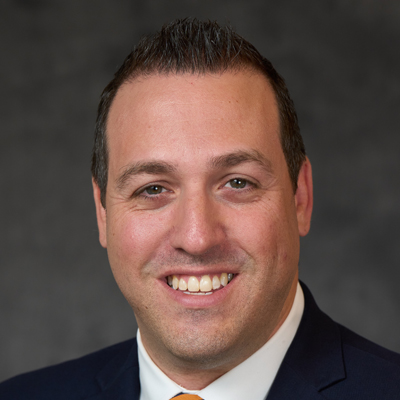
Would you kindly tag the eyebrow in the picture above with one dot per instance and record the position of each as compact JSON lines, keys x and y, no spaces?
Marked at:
{"x":148,"y":167}
{"x":222,"y":161}
{"x":240,"y":157}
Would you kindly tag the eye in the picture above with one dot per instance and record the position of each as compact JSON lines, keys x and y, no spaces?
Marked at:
{"x":238,"y":183}
{"x":153,"y":190}
{"x":152,"y":196}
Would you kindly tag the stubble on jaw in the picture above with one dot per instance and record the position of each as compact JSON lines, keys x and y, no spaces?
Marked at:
{"x":195,"y":360}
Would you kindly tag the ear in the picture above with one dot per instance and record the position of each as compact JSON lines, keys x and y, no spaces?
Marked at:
{"x":304,"y":198}
{"x":100,"y":214}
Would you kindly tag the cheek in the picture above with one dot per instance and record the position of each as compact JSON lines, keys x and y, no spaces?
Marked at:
{"x":133,"y":240}
{"x":268,"y":234}
{"x":257,"y":227}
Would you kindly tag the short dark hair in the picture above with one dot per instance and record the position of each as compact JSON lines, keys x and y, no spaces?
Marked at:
{"x":192,"y":46}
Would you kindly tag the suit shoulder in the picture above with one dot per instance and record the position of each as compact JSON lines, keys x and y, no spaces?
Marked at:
{"x":356,"y":344}
{"x":74,"y":379}
{"x":371,"y":370}
{"x":339,"y":363}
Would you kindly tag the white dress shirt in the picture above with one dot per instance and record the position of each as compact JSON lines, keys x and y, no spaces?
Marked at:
{"x":256,"y":374}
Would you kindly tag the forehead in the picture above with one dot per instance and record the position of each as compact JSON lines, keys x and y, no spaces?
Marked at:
{"x":150,"y":113}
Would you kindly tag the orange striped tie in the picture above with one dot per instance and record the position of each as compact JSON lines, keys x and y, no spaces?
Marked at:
{"x":185,"y":396}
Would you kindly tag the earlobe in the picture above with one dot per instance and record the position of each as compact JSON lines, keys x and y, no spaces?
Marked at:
{"x":100,"y":214}
{"x":304,"y":198}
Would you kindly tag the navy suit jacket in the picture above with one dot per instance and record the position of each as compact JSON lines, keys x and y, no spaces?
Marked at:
{"x":324,"y":361}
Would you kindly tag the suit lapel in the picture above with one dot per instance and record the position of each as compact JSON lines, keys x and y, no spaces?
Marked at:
{"x":119,"y":379}
{"x":289,"y":385}
{"x":314,"y":360}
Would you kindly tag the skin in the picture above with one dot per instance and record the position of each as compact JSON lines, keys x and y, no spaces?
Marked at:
{"x":198,"y":184}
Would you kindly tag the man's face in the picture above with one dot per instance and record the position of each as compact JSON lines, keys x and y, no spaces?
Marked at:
{"x":198,"y":187}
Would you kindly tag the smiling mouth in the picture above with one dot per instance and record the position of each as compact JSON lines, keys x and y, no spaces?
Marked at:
{"x":204,"y":285}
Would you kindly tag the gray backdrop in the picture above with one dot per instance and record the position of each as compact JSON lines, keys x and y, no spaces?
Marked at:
{"x":341,"y":61}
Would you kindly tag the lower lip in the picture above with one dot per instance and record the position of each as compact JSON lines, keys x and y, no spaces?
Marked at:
{"x":196,"y":301}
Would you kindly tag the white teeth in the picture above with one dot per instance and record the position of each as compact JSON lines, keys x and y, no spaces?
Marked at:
{"x":193,"y":284}
{"x":224,"y":279}
{"x":175,"y":282}
{"x":198,"y":293}
{"x":216,"y":284}
{"x":205,"y":283}
{"x":182,"y":284}
{"x":205,"y":286}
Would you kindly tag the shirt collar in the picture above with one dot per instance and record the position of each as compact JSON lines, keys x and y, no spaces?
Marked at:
{"x":256,"y":374}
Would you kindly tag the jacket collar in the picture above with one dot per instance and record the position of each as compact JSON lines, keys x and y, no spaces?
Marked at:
{"x":314,"y":360}
{"x":119,"y":379}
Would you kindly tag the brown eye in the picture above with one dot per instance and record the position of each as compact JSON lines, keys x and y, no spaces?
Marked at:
{"x":238,"y":183}
{"x":153,"y":190}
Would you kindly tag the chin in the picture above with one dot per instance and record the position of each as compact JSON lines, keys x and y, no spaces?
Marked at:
{"x":202,"y":348}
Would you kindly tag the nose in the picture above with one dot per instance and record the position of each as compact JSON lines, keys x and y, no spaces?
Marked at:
{"x":198,"y":224}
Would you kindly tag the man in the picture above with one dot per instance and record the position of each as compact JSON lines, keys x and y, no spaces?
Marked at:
{"x":202,"y":189}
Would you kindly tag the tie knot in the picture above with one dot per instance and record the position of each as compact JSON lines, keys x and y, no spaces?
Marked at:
{"x":185,"y":396}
